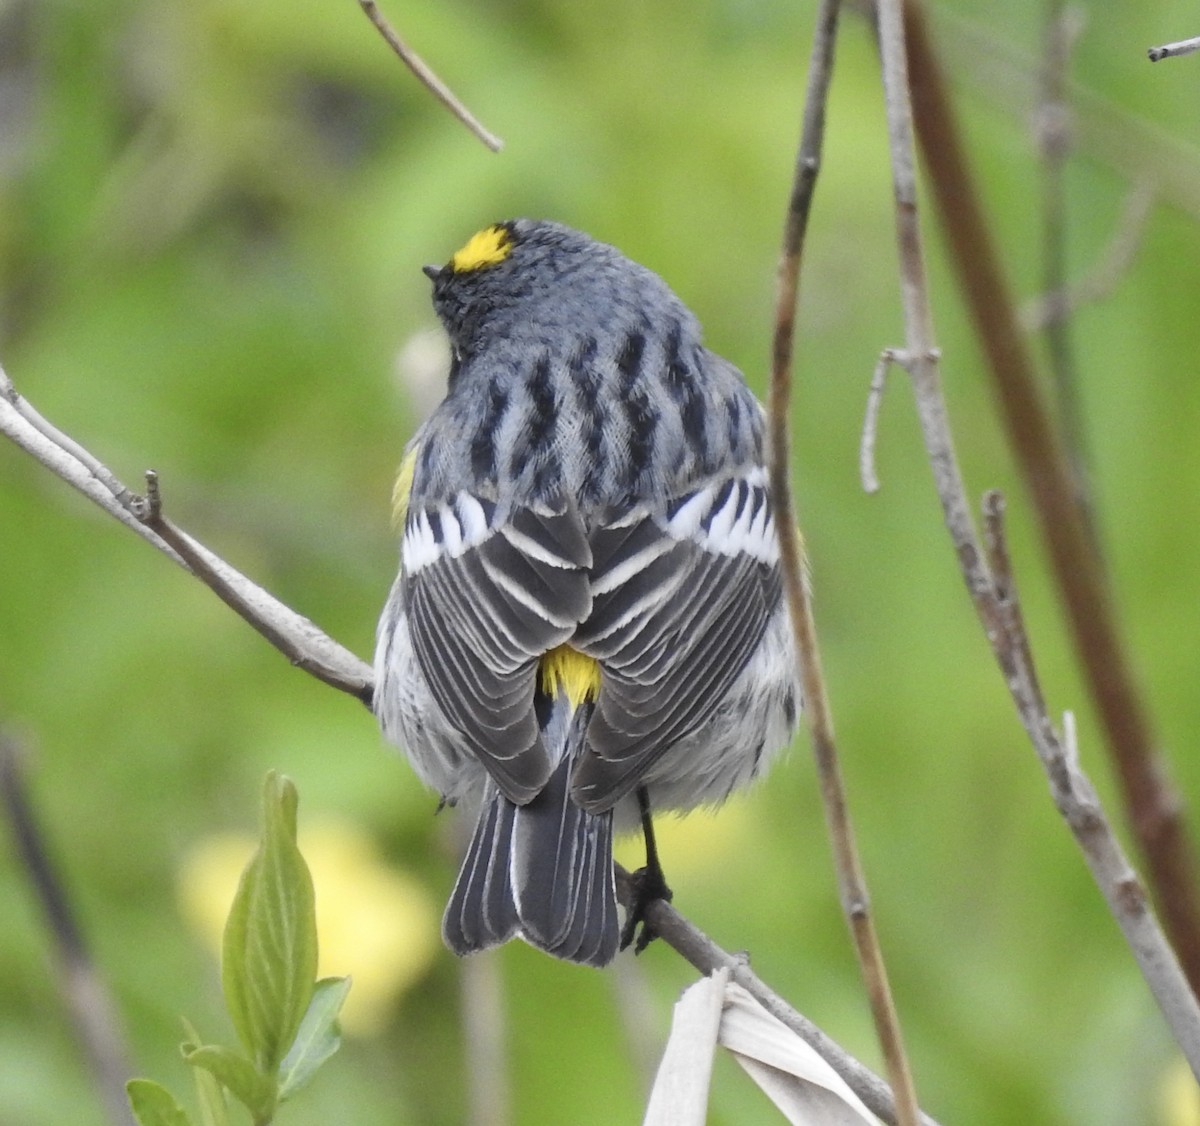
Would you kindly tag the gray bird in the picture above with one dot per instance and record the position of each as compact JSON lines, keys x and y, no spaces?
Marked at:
{"x":588,"y":623}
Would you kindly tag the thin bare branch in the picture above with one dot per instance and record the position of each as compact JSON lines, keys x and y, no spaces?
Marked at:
{"x":686,"y":939}
{"x":293,"y":635}
{"x":851,"y":880}
{"x":1080,"y":807}
{"x":89,"y":1005}
{"x":870,"y":431}
{"x":68,"y":460}
{"x":1171,"y":50}
{"x":1027,"y":691}
{"x":56,"y":437}
{"x":425,"y":75}
{"x":920,"y":346}
{"x":1152,"y":806}
{"x":867,"y":474}
{"x":297,"y":638}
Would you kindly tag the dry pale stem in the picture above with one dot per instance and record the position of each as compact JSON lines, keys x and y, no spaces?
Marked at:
{"x":427,"y":78}
{"x":1080,"y":807}
{"x":706,"y":956}
{"x":295,"y":636}
{"x":1172,"y":50}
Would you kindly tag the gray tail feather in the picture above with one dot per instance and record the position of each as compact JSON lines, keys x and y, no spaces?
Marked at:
{"x":543,"y":871}
{"x":481,"y":912}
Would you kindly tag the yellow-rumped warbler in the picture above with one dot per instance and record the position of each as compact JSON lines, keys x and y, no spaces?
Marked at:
{"x":588,"y":619}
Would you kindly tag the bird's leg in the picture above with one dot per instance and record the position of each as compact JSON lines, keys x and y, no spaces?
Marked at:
{"x":648,"y":884}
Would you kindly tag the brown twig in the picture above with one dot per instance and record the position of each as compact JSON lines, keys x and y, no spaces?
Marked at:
{"x":686,"y":939}
{"x":851,"y":880}
{"x":89,"y":1005}
{"x":1152,"y":806}
{"x":425,"y":75}
{"x":1172,"y":50}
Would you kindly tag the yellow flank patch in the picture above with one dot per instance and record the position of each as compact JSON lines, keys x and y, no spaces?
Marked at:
{"x":567,"y":670}
{"x":402,"y":489}
{"x":484,"y":248}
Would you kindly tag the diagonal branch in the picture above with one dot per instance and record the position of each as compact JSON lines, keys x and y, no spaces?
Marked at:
{"x":427,"y":78}
{"x":306,"y":646}
{"x":686,"y":939}
{"x":293,"y":635}
{"x":1080,"y":806}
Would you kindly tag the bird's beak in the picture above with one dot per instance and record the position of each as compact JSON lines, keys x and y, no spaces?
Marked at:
{"x":432,"y":272}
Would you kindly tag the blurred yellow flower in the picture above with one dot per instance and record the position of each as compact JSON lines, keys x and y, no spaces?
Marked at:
{"x":374,"y":923}
{"x":694,"y":845}
{"x":1178,"y":1097}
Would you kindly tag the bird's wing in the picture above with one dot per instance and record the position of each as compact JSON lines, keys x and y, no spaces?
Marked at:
{"x":680,"y":600}
{"x":486,"y":598}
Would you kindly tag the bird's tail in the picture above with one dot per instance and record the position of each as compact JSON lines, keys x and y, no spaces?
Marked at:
{"x":543,"y":871}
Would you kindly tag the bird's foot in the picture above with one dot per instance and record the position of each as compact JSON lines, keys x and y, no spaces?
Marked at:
{"x":647,"y":884}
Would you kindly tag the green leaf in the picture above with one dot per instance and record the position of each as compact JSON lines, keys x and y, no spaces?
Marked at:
{"x":269,"y":957}
{"x":319,"y":1036}
{"x":214,"y":1110}
{"x":210,"y":1096}
{"x":239,"y":1076}
{"x":154,"y":1105}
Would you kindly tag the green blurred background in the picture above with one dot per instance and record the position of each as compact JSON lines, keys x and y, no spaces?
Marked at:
{"x":212,"y":218}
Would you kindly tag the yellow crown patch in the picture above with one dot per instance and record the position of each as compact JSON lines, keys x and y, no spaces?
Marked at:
{"x":484,"y":248}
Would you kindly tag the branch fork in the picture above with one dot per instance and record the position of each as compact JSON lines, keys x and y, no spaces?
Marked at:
{"x":910,"y":362}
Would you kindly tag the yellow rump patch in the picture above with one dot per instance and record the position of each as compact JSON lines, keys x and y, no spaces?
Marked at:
{"x":484,"y":248}
{"x":567,"y":670}
{"x":402,"y":489}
